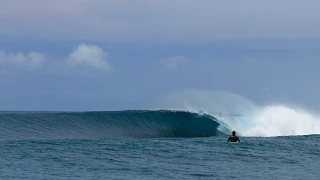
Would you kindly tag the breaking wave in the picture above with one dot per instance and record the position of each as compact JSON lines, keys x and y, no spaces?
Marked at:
{"x":266,"y":122}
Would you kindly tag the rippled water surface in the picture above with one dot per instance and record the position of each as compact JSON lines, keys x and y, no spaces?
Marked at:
{"x":293,"y":157}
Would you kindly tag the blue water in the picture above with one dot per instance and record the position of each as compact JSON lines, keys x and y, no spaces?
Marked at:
{"x":94,"y":145}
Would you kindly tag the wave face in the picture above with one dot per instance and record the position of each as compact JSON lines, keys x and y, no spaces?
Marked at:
{"x":112,"y":124}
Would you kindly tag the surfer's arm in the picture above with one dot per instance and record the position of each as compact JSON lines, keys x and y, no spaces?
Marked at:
{"x":228,"y":139}
{"x":238,"y":139}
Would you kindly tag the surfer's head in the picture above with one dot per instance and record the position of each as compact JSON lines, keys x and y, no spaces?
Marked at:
{"x":233,"y":133}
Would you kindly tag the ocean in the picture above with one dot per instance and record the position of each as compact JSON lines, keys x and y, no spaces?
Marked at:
{"x":158,"y":144}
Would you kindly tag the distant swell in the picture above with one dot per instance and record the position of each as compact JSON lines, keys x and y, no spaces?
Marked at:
{"x":113,"y":124}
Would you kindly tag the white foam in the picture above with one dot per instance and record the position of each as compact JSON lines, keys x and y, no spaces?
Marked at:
{"x":279,"y":120}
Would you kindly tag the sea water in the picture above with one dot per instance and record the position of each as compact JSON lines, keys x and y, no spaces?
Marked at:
{"x":146,"y":145}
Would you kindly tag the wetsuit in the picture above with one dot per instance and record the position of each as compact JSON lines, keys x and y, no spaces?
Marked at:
{"x":233,"y":139}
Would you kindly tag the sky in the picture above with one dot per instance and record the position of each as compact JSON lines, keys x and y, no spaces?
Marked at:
{"x":83,"y":55}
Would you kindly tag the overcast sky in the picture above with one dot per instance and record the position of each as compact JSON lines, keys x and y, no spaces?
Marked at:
{"x":159,"y":20}
{"x":133,"y":54}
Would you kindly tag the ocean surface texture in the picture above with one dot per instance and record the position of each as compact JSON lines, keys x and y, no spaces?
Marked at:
{"x":154,"y":144}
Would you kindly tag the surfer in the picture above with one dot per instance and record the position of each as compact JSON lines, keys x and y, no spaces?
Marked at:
{"x":233,"y":138}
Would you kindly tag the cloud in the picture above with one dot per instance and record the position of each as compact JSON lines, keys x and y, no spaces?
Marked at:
{"x":30,"y":61}
{"x":84,"y":56}
{"x":88,"y":56}
{"x":173,"y":62}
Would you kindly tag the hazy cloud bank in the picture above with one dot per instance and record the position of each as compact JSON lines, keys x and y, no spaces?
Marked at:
{"x":86,"y":56}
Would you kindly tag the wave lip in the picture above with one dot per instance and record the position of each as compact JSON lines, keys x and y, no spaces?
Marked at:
{"x":108,"y":124}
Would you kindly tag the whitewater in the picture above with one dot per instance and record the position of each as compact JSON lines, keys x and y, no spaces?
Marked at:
{"x":275,"y":120}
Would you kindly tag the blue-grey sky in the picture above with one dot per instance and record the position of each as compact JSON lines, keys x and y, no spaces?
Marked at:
{"x":133,"y":54}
